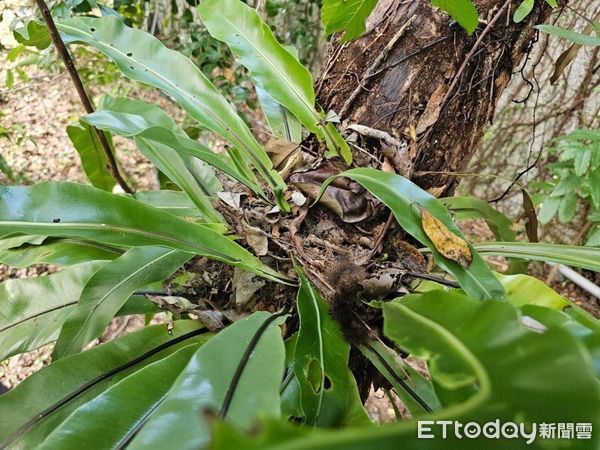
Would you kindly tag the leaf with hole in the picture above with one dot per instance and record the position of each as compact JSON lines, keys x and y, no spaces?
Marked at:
{"x":465,"y":342}
{"x":61,"y":252}
{"x":321,"y":360}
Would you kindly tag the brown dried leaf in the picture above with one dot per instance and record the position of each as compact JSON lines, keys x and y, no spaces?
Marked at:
{"x":433,"y":109}
{"x":437,"y":191}
{"x":569,"y":55}
{"x":344,"y":197}
{"x":563,"y":61}
{"x":445,"y":241}
{"x":245,"y":285}
{"x":285,"y":155}
{"x":256,"y":239}
{"x":531,"y":220}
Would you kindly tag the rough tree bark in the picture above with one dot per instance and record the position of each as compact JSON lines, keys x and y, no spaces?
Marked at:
{"x":415,"y":94}
{"x":416,"y":75}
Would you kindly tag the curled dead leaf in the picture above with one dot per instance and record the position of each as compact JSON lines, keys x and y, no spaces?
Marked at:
{"x":445,"y":241}
{"x":256,"y":239}
{"x":344,"y":197}
{"x":285,"y":155}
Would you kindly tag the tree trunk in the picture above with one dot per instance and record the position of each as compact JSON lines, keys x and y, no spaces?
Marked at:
{"x":418,"y":93}
{"x":416,"y":75}
{"x":415,"y":94}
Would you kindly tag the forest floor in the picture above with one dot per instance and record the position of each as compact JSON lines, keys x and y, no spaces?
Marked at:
{"x":34,"y":115}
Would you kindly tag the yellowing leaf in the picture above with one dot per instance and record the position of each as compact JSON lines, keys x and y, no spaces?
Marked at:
{"x":445,"y":241}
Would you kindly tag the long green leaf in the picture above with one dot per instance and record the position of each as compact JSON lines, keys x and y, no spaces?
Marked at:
{"x":32,"y":310}
{"x":282,"y":122}
{"x":401,"y":196}
{"x":572,"y":36}
{"x":53,"y":393}
{"x":321,"y":361}
{"x":108,"y":290}
{"x":62,"y":252}
{"x":498,"y":223}
{"x":148,"y":123}
{"x":144,"y":58}
{"x":270,"y":64}
{"x":475,"y":208}
{"x":174,"y":167}
{"x":166,"y":159}
{"x":174,"y":202}
{"x":569,"y":255}
{"x":224,"y":377}
{"x":466,"y":340}
{"x":93,"y":158}
{"x":149,"y":115}
{"x":347,"y":16}
{"x":415,"y":391}
{"x":108,"y":421}
{"x":309,"y":364}
{"x":67,"y":209}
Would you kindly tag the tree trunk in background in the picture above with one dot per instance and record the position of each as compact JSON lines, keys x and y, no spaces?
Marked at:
{"x":419,"y":77}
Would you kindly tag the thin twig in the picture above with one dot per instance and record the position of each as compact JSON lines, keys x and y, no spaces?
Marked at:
{"x":386,"y":227}
{"x":85,"y":99}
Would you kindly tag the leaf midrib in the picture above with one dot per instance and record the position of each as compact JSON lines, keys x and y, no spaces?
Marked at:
{"x":406,"y":200}
{"x":109,"y":293}
{"x":299,"y":95}
{"x":118,"y":228}
{"x":208,"y":111}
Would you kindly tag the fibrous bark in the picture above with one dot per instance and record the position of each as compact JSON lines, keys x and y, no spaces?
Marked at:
{"x":418,"y":77}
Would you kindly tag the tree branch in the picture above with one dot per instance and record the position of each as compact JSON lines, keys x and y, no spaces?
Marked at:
{"x":85,"y":99}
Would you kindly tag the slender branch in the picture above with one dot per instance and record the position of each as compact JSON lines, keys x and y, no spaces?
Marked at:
{"x":85,"y":99}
